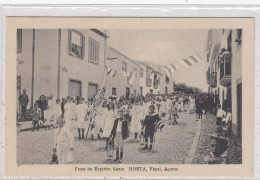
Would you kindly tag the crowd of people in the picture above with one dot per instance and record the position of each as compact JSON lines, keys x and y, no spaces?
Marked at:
{"x":115,"y":119}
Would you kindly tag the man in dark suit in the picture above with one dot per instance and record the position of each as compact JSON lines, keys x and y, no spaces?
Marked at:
{"x":23,"y":99}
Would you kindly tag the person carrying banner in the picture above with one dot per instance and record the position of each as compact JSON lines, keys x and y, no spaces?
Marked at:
{"x":110,"y":118}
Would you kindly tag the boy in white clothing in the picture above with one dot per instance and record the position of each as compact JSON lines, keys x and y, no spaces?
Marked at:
{"x":63,"y":142}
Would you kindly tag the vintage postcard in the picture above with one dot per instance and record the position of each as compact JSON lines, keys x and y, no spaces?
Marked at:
{"x":129,"y":97}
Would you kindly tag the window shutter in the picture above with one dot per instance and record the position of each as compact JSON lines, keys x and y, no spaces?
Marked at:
{"x":69,"y":40}
{"x":83,"y":46}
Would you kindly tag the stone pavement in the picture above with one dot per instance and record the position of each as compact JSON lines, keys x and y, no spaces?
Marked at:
{"x":208,"y":126}
{"x":172,"y":146}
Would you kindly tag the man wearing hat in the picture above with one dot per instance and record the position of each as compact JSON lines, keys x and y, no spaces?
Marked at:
{"x":81,"y":112}
{"x":42,"y":105}
{"x":23,"y":100}
{"x":149,"y":123}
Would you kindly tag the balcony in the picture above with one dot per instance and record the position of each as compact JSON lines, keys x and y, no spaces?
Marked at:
{"x":148,"y":82}
{"x":225,"y":69}
{"x":213,"y":79}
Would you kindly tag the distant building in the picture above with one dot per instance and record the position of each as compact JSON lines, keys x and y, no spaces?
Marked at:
{"x":155,"y":80}
{"x":225,"y":72}
{"x":121,"y":84}
{"x":60,"y":62}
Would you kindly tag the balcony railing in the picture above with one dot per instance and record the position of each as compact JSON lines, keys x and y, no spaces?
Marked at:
{"x":225,"y":69}
{"x":148,"y":82}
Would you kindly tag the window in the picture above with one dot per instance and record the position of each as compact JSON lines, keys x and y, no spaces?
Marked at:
{"x":92,"y":90}
{"x":141,"y":72}
{"x":93,"y":51}
{"x":229,"y":42}
{"x":134,"y":92}
{"x":239,"y":37}
{"x":166,"y":90}
{"x":114,"y":91}
{"x":167,"y":79}
{"x":135,"y":71}
{"x":19,"y":41}
{"x":76,"y":44}
{"x":124,"y":67}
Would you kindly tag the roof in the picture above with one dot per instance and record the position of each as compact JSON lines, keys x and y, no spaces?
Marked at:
{"x":123,"y":55}
{"x":100,"y":33}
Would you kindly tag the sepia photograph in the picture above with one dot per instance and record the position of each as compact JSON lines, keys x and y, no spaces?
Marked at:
{"x":128,"y":97}
{"x":98,"y":96}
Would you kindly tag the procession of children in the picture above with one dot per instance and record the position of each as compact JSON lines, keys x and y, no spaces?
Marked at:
{"x":114,"y":119}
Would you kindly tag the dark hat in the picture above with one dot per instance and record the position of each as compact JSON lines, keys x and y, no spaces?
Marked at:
{"x":152,"y":106}
{"x":57,"y":99}
{"x":82,"y":98}
{"x":69,"y":97}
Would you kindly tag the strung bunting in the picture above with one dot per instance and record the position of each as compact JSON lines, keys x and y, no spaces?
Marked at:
{"x":111,"y":72}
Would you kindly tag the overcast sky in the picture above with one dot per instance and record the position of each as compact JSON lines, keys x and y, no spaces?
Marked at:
{"x":165,"y":47}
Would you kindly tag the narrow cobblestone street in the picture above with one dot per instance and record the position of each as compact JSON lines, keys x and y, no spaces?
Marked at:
{"x":209,"y":126}
{"x":172,"y":145}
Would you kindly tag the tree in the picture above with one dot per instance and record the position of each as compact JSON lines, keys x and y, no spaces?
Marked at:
{"x":182,"y":87}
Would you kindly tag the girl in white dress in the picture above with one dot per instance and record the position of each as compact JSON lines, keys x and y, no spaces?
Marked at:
{"x":56,"y":112}
{"x":70,"y":112}
{"x":48,"y":113}
{"x":136,"y":114}
{"x":63,"y":142}
{"x":110,"y":118}
{"x":81,"y":112}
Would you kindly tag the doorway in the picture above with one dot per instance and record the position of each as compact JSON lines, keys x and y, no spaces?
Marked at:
{"x":127,"y":94}
{"x":74,"y":88}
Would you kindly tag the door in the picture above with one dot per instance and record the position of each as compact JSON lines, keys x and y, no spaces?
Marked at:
{"x":166,"y":90}
{"x":239,"y":110}
{"x":151,"y":91}
{"x":114,"y":91}
{"x":74,"y":88}
{"x":141,"y":90}
{"x":134,"y":92}
{"x":92,"y":90}
{"x":127,"y":94}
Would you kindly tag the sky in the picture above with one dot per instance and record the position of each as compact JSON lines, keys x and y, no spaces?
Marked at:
{"x":165,"y":47}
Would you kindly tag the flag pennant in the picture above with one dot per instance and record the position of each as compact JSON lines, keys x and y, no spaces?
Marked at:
{"x":175,"y":67}
{"x":132,"y":78}
{"x":111,"y":72}
{"x":190,"y":60}
{"x":194,"y":59}
{"x":198,"y":58}
{"x":172,"y":70}
{"x":167,"y":71}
